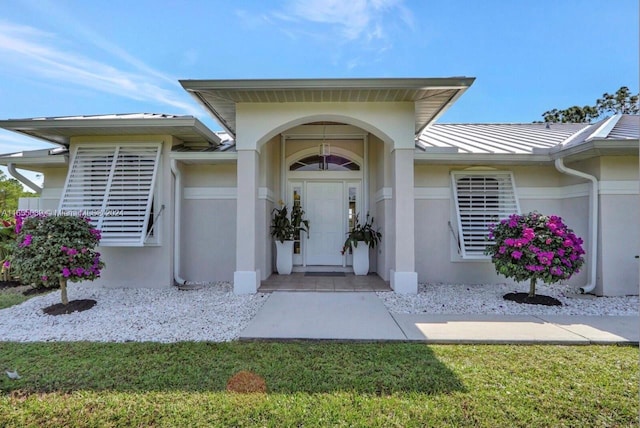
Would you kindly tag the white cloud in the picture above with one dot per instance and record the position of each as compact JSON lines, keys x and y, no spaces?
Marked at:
{"x":355,"y":20}
{"x":37,"y":52}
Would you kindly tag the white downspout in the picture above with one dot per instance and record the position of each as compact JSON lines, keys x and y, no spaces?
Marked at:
{"x":177,"y":211}
{"x":22,"y":179}
{"x":593,"y":220}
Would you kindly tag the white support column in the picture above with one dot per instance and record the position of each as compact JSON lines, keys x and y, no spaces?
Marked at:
{"x":404,"y":279}
{"x":246,"y":278}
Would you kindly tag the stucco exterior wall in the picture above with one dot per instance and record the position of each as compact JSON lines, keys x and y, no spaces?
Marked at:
{"x":380,"y":202}
{"x":538,"y":189}
{"x":151,"y":265}
{"x":619,"y":228}
{"x":52,"y":186}
{"x":618,"y":273}
{"x":208,"y":239}
{"x":619,"y":231}
{"x":270,"y":166}
{"x":208,"y":247}
{"x":209,"y":175}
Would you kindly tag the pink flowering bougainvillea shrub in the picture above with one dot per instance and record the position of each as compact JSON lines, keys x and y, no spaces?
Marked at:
{"x":535,"y":247}
{"x":52,"y":250}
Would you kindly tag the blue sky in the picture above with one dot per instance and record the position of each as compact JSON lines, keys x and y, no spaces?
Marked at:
{"x":61,"y":58}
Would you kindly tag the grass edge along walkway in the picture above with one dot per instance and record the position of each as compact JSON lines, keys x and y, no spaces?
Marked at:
{"x":318,"y":384}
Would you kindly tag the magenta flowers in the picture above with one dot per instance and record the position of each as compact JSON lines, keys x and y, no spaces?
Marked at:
{"x":535,"y":246}
{"x":52,"y":250}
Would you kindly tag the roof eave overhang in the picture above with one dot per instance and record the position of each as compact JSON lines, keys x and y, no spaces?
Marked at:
{"x":35,"y":163}
{"x":46,"y":129}
{"x":199,"y":89}
{"x":421,"y":127}
{"x":597,"y":148}
{"x":365,"y":83}
{"x":481,"y":158}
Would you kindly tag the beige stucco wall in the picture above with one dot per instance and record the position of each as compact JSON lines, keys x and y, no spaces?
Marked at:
{"x":257,"y":123}
{"x":619,"y":228}
{"x":208,"y":239}
{"x":539,"y":189}
{"x":52,"y":186}
{"x":618,"y":273}
{"x":619,"y":231}
{"x":270,"y":165}
{"x":208,"y":175}
{"x":208,"y":229}
{"x":152,"y":265}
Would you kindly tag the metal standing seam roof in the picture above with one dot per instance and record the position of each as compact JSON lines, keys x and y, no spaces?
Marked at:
{"x":524,"y":138}
{"x":625,"y":128}
{"x":503,"y":138}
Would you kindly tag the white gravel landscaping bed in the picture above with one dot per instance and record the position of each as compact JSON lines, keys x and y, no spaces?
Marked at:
{"x":487,"y":299}
{"x":215,"y":314}
{"x":212,"y":313}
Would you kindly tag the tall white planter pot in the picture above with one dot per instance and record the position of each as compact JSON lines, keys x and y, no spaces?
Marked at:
{"x":360,"y":258}
{"x":284,"y":257}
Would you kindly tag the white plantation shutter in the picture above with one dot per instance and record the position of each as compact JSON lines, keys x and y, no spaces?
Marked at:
{"x":113,"y":185}
{"x":481,"y":198}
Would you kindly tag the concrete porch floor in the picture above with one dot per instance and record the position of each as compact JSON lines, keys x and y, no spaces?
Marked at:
{"x":297,"y":281}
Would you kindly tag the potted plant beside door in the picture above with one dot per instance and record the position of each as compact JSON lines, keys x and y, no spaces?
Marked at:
{"x":284,"y":228}
{"x":359,"y":240}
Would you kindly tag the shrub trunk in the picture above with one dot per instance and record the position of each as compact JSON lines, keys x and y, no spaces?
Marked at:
{"x":63,"y":291}
{"x":532,"y":287}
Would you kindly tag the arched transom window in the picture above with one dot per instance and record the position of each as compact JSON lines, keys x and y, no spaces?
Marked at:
{"x":324,"y":163}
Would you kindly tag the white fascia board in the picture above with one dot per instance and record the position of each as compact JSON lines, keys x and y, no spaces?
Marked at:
{"x":364,"y":83}
{"x":204,"y":156}
{"x":595,"y":148}
{"x":25,"y":162}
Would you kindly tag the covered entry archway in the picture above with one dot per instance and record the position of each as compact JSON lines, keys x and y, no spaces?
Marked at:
{"x":327,"y":181}
{"x":256,"y":112}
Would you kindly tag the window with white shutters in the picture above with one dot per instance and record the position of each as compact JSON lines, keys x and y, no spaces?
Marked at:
{"x":113,"y":185}
{"x":481,"y":198}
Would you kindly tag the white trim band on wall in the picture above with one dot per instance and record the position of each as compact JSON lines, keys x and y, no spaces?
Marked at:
{"x":223,"y":193}
{"x":573,"y":191}
{"x":210,"y":193}
{"x":384,"y":193}
{"x":432,"y":192}
{"x":564,"y":192}
{"x":619,"y":187}
{"x":266,"y":193}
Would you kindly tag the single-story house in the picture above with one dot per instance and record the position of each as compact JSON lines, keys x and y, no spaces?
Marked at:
{"x":179,"y":202}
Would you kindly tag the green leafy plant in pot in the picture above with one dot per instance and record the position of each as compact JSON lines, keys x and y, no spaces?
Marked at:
{"x":361,"y":233}
{"x":284,"y":228}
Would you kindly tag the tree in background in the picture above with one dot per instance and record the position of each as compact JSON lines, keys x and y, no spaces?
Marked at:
{"x":622,"y":101}
{"x":10,"y":191}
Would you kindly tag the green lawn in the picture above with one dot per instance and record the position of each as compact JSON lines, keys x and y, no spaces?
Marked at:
{"x":319,"y":384}
{"x":10,"y":299}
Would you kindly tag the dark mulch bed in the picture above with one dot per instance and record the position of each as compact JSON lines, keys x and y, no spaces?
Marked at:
{"x":9,"y":284}
{"x":538,"y":299}
{"x":72,"y":306}
{"x":36,"y":290}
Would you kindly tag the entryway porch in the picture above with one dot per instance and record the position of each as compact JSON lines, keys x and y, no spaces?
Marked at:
{"x":323,"y":281}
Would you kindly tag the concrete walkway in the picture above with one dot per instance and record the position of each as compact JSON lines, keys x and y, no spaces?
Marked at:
{"x":362,"y":316}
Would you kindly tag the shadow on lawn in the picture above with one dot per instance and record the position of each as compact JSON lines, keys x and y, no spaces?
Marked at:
{"x":291,"y":367}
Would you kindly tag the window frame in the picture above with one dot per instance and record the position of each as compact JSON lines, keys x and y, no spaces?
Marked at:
{"x":503,"y":202}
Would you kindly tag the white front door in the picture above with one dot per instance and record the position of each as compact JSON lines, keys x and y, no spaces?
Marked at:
{"x":326,"y":214}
